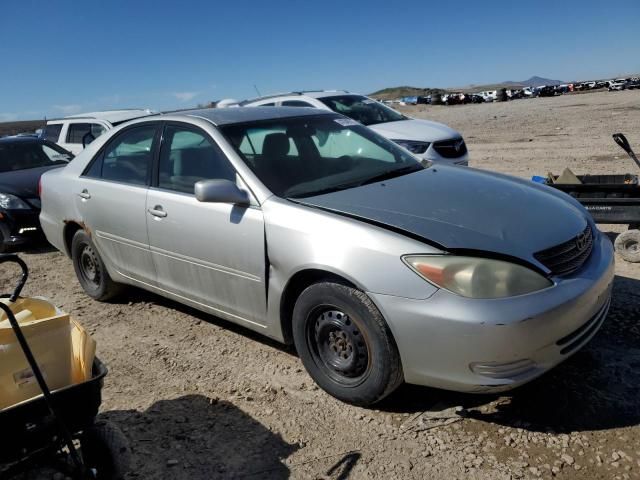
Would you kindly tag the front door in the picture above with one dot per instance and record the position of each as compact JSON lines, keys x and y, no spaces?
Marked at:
{"x":111,"y":197}
{"x":209,"y":253}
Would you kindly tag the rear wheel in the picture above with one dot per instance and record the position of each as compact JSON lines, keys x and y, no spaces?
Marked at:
{"x":105,"y":450}
{"x":627,"y":244}
{"x":90,"y":269}
{"x":345,"y":343}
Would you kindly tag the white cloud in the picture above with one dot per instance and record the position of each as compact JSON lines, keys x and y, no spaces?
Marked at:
{"x":185,"y":96}
{"x":68,"y":109}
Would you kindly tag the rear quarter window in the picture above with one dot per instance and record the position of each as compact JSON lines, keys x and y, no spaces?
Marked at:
{"x":52,"y":132}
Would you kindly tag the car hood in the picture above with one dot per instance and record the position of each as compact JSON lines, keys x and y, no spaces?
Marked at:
{"x":465,"y":210}
{"x":23,"y":183}
{"x":417,"y":130}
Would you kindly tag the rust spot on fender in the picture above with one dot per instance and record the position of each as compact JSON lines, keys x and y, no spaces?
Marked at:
{"x":82,"y":225}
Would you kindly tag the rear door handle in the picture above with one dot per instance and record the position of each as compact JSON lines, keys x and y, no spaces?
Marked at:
{"x":84,"y":194}
{"x":157,"y":211}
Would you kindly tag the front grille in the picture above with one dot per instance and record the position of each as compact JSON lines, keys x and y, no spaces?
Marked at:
{"x":569,"y":256}
{"x":451,"y":148}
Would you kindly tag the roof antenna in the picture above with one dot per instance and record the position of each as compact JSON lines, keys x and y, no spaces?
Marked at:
{"x":258,"y":91}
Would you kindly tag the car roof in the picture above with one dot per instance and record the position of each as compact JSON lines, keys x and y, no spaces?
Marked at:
{"x":227,"y":116}
{"x":111,"y":116}
{"x":22,"y":139}
{"x":308,"y":93}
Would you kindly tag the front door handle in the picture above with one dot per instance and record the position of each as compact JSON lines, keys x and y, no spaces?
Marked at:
{"x":157,"y":211}
{"x":84,"y":194}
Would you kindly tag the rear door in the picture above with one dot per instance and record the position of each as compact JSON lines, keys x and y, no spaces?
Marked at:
{"x":111,"y":196}
{"x":212,"y":254}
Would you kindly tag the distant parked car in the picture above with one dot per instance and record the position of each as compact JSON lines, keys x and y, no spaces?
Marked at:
{"x":489,"y":95}
{"x":428,"y":140}
{"x":546,"y":91}
{"x":310,"y":228}
{"x":74,"y":132}
{"x":23,"y":159}
{"x":618,"y":85}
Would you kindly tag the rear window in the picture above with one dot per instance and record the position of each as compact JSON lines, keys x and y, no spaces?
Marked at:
{"x":77,"y":131}
{"x":25,"y":155}
{"x":52,"y":132}
{"x":296,"y":103}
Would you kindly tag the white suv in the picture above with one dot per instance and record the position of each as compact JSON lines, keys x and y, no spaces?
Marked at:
{"x":74,"y":132}
{"x":429,"y":140}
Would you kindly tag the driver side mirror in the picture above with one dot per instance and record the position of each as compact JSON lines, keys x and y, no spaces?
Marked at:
{"x":221,"y":191}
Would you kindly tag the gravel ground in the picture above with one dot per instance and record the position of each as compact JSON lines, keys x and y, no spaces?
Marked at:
{"x":202,"y":399}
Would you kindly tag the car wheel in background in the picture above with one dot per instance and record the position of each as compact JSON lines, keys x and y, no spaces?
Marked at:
{"x":3,"y":247}
{"x":345,"y":343}
{"x":627,"y":244}
{"x":90,"y":269}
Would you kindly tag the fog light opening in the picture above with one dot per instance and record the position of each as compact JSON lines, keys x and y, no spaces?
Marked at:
{"x":503,"y":370}
{"x":27,"y":229}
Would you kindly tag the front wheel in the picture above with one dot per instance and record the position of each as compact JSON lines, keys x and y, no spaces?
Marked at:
{"x":90,"y":269}
{"x":345,"y":343}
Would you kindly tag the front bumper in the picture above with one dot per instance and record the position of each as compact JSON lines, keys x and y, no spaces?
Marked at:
{"x":490,"y":345}
{"x":433,"y":156}
{"x":19,"y":227}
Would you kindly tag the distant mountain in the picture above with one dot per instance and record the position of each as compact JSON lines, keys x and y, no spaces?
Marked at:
{"x":404,"y":91}
{"x":535,"y":82}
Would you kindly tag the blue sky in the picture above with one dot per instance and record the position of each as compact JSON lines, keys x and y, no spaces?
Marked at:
{"x":66,"y":57}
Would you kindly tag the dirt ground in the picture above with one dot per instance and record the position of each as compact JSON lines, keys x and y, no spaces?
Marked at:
{"x":202,"y":399}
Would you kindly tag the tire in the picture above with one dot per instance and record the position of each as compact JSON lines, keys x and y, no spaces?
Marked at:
{"x":627,"y":244}
{"x":3,"y":248}
{"x":105,"y":449}
{"x":90,"y":269}
{"x":345,"y":344}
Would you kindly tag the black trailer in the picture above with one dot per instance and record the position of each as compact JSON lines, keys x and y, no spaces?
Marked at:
{"x":611,"y":199}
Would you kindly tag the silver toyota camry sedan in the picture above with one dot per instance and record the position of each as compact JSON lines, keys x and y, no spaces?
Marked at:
{"x":310,"y":228}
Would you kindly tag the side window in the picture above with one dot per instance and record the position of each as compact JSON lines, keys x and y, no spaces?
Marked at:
{"x":127,"y":158}
{"x":77,"y":131}
{"x":267,"y":105}
{"x":52,"y":132}
{"x":188,"y":156}
{"x":296,"y":103}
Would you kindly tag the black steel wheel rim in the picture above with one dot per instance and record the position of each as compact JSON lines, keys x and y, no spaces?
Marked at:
{"x":338,"y":345}
{"x":89,"y":266}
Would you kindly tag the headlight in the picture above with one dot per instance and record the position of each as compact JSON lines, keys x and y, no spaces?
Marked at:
{"x":477,"y":277}
{"x":11,"y":202}
{"x":413,"y":147}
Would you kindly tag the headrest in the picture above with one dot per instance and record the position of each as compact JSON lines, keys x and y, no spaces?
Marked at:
{"x":275,"y":145}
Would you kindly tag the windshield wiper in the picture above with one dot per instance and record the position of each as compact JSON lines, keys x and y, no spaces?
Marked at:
{"x":357,"y":183}
{"x":392,"y":174}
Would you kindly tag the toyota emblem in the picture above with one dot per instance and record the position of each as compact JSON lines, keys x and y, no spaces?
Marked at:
{"x":581,"y":241}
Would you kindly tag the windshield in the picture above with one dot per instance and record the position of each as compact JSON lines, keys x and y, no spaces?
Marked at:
{"x":362,"y":109}
{"x":24,"y":155}
{"x":311,"y":155}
